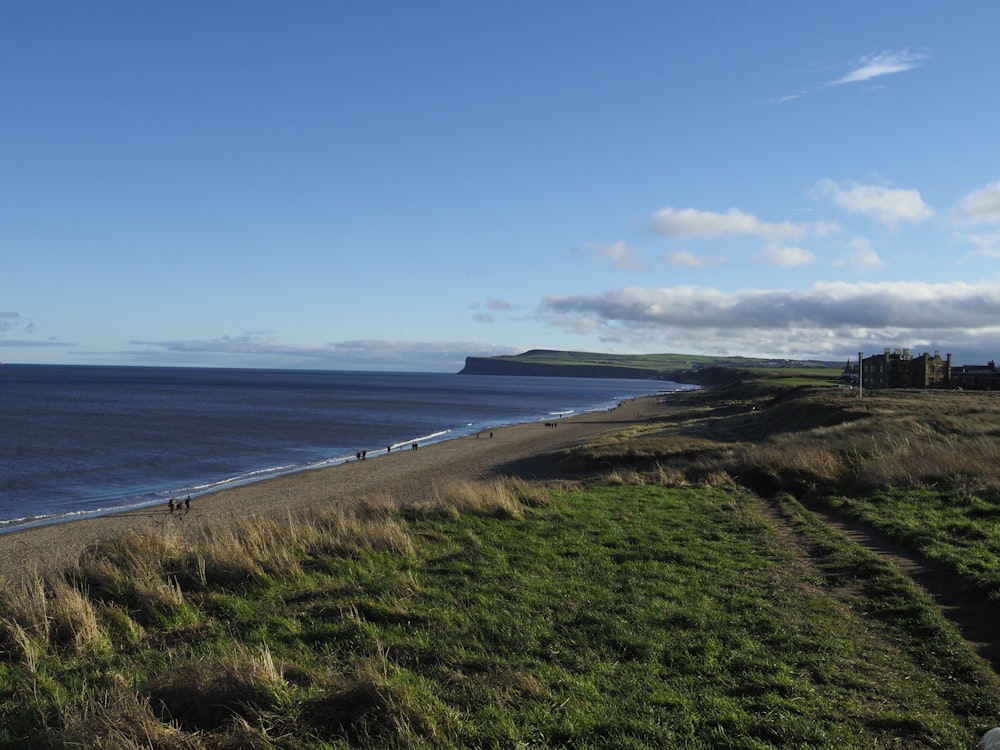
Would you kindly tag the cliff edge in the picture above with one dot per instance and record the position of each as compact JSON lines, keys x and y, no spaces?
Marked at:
{"x":495,"y":366}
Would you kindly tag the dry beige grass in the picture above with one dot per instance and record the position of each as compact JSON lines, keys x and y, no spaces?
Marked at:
{"x":149,"y":570}
{"x":120,"y":720}
{"x":817,"y":438}
{"x":504,"y":497}
{"x":175,"y":711}
{"x":814,"y":459}
{"x":347,"y":530}
{"x":42,"y":615}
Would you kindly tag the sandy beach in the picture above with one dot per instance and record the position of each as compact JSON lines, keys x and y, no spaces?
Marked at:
{"x":403,"y":474}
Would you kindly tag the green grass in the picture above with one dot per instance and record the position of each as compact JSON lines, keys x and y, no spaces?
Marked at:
{"x":654,"y":362}
{"x":918,"y":466}
{"x":668,"y":618}
{"x":960,"y":532}
{"x":666,"y":361}
{"x":612,"y":617}
{"x":796,"y":377}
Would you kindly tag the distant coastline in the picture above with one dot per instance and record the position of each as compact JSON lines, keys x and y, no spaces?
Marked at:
{"x":495,"y":366}
{"x":678,"y":368}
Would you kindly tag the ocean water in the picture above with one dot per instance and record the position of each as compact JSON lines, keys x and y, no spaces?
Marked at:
{"x":77,"y":441}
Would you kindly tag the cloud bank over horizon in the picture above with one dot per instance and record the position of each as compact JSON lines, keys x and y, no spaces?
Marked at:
{"x":254,"y":350}
{"x":824,"y":321}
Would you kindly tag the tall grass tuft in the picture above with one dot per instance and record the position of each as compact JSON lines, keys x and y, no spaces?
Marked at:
{"x":206,"y":694}
{"x":622,"y":477}
{"x":792,"y":457}
{"x":498,"y":498}
{"x":73,"y":624}
{"x":38,"y":615}
{"x":370,"y":709}
{"x":659,"y":474}
{"x":120,"y":720}
{"x":371,"y":526}
{"x":252,"y":551}
{"x":224,"y":560}
{"x":152,"y":594}
{"x":16,"y":642}
{"x":926,"y":460}
{"x":668,"y":476}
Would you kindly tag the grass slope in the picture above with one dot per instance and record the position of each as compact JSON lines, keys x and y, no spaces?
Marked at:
{"x":654,"y":362}
{"x":919,"y":466}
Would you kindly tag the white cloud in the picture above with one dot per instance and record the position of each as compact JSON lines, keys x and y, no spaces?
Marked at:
{"x":859,"y":256}
{"x":886,"y":205}
{"x":692,"y":223}
{"x":987,"y":244}
{"x":865,"y":69}
{"x":880,"y":64}
{"x":980,"y":206}
{"x":620,"y":255}
{"x":823,"y":229}
{"x":787,"y":256}
{"x":687,"y":259}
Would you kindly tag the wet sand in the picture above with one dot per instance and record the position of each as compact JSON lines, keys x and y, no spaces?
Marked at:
{"x":404,"y":474}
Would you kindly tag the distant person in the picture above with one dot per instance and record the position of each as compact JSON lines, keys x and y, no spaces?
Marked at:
{"x":187,"y":503}
{"x":172,"y":504}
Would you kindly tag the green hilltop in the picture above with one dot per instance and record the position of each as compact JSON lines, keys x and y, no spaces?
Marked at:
{"x":594,"y":364}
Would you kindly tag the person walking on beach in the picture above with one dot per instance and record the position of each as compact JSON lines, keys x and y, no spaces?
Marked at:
{"x":187,"y":504}
{"x":172,"y":504}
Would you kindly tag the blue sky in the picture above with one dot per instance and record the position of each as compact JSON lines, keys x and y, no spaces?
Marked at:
{"x":397,"y":185}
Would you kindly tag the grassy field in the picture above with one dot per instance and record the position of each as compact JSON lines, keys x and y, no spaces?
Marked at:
{"x":920,"y":466}
{"x":673,"y":589}
{"x":654,"y":362}
{"x":657,"y":362}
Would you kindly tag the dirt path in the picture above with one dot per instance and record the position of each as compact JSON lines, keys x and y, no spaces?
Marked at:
{"x":976,"y":618}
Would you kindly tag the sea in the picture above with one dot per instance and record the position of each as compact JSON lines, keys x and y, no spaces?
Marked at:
{"x":80,"y":441}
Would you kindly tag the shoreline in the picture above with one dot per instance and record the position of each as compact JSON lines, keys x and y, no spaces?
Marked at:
{"x":150,"y":496}
{"x":404,"y":474}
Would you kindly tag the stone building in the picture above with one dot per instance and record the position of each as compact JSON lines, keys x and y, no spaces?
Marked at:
{"x":976,"y":377}
{"x":899,"y":369}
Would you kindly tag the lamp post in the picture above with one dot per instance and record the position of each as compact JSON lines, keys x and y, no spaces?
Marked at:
{"x":861,"y":356}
